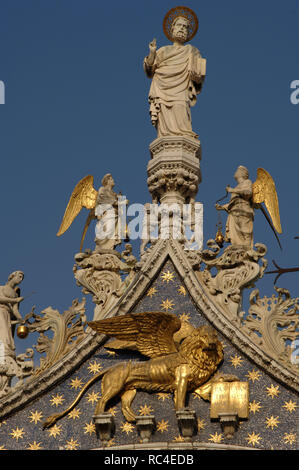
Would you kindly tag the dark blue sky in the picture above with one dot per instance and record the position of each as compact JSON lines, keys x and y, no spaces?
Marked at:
{"x":76,"y":104}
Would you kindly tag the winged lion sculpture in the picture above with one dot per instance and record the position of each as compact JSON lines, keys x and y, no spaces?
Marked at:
{"x":181,"y":359}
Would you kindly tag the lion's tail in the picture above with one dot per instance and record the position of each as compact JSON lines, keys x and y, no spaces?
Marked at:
{"x":55,"y":417}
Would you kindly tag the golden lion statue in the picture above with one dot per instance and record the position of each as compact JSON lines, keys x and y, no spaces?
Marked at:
{"x":182,"y":359}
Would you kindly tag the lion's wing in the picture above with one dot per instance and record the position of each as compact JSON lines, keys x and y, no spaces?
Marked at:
{"x":151,"y":332}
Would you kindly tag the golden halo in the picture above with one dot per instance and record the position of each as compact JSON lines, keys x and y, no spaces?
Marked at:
{"x":186,"y":13}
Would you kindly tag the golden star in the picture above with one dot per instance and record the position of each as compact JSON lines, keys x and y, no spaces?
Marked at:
{"x":2,"y":448}
{"x":127,"y":427}
{"x":35,"y":416}
{"x":89,"y":428}
{"x":290,"y":405}
{"x":162,"y":425}
{"x":200,"y":424}
{"x":182,"y":290}
{"x":57,"y":400}
{"x":112,"y":410}
{"x":253,"y":438}
{"x":93,"y":397}
{"x":152,"y":291}
{"x":272,"y":422}
{"x":254,"y":375}
{"x":76,"y":383}
{"x":273,"y":391}
{"x":71,"y":445}
{"x":74,"y":414}
{"x":216,"y":438}
{"x":145,"y":410}
{"x":94,"y":367}
{"x":163,"y":396}
{"x":185,"y":317}
{"x":254,"y":406}
{"x":2,"y":422}
{"x":34,"y":446}
{"x":17,"y":433}
{"x":110,"y":443}
{"x":289,"y":438}
{"x":167,"y":304}
{"x":179,"y":439}
{"x":236,"y":361}
{"x":54,"y":430}
{"x":167,"y":276}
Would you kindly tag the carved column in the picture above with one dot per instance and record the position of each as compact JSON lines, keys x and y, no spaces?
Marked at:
{"x":174,"y":169}
{"x":173,"y":179}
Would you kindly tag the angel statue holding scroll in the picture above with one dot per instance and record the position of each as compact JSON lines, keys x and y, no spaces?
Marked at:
{"x":246,"y":197}
{"x":177,"y":72}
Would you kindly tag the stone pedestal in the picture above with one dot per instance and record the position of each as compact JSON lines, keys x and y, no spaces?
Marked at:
{"x":104,"y":426}
{"x":145,"y":426}
{"x":229,"y":424}
{"x":187,"y":423}
{"x":174,"y":169}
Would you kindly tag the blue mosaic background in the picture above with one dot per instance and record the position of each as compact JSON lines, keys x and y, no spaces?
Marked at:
{"x":273,"y":408}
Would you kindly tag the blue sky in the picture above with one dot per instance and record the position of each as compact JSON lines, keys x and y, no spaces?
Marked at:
{"x":76,"y":104}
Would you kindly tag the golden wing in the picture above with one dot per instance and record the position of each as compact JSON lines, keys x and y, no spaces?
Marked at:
{"x":264,"y":191}
{"x":84,"y":195}
{"x":151,"y":332}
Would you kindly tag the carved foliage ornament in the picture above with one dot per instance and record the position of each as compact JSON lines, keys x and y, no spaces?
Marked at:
{"x":67,"y":331}
{"x":273,"y":323}
{"x":237,"y":268}
{"x":102,"y":276}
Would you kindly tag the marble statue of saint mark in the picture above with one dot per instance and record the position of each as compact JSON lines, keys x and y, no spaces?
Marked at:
{"x":177,"y":72}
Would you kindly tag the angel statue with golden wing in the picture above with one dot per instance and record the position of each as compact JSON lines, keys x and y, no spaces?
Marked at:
{"x":103,"y":205}
{"x":246,"y":197}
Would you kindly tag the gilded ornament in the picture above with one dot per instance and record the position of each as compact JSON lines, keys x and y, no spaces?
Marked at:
{"x":22,"y":331}
{"x":290,"y":438}
{"x":253,"y":438}
{"x":35,"y":446}
{"x":216,"y":438}
{"x":273,"y":391}
{"x":254,"y":406}
{"x":89,"y":428}
{"x":36,"y":416}
{"x":167,"y":276}
{"x":290,"y":406}
{"x":167,"y":305}
{"x":162,"y":425}
{"x":272,"y":422}
{"x":72,"y":444}
{"x":55,"y":431}
{"x":17,"y":433}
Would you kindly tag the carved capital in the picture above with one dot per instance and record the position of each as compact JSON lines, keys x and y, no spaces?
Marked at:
{"x":174,"y":170}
